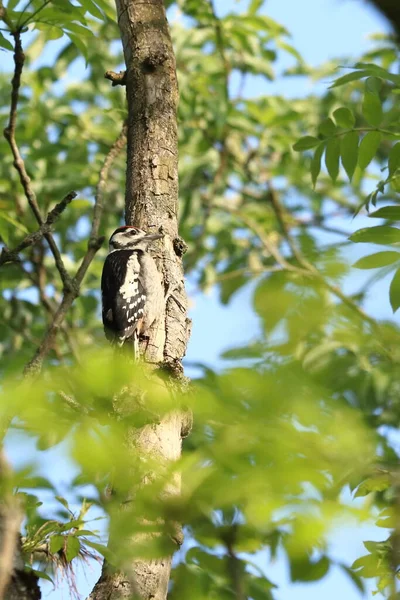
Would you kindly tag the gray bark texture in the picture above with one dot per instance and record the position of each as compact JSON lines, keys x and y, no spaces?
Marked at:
{"x":152,"y":204}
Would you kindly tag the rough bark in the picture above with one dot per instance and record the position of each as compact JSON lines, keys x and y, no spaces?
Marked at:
{"x":152,"y":204}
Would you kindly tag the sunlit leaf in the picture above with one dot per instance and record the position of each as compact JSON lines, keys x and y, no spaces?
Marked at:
{"x":305,"y":143}
{"x":332,"y":156}
{"x":72,"y":547}
{"x":381,"y":234}
{"x":349,"y":152}
{"x":394,"y":291}
{"x":391,"y":213}
{"x":344,"y":118}
{"x":368,"y":148}
{"x":394,"y":159}
{"x":316,"y":163}
{"x":380,"y":259}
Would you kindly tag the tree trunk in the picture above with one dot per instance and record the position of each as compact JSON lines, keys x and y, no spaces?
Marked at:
{"x":152,"y":204}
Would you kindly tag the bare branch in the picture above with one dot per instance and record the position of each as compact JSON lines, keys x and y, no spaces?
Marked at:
{"x":31,"y":239}
{"x":112,"y":154}
{"x":9,"y":134}
{"x":35,"y":364}
{"x":280,"y":216}
{"x":116,"y":78}
{"x":310,"y":269}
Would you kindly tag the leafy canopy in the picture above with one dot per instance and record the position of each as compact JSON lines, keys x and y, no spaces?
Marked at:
{"x":301,"y":416}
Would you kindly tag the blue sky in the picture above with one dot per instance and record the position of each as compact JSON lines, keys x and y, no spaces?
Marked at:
{"x":321,"y":29}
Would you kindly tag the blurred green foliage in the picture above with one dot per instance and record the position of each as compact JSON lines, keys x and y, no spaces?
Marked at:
{"x":302,"y":416}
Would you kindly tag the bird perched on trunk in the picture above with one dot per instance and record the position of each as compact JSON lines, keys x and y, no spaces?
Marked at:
{"x":131,"y":286}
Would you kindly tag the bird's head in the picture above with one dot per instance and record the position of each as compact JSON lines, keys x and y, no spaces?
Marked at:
{"x":131,"y":238}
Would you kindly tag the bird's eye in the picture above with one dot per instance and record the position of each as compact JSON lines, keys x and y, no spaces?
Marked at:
{"x":133,"y":232}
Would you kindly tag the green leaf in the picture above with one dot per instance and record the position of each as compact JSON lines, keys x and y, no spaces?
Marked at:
{"x":381,"y":234}
{"x":5,"y":43}
{"x":327,"y":128}
{"x":316,"y":163}
{"x":77,"y":41}
{"x":11,"y":4}
{"x":13,"y":222}
{"x":332,"y":156}
{"x":92,"y":8}
{"x":344,"y":118}
{"x":306,"y":570}
{"x":72,"y":548}
{"x":373,"y":84}
{"x":353,"y":76}
{"x":377,"y":260}
{"x":376,"y":71}
{"x":305,"y":143}
{"x":85,"y":532}
{"x":230,"y":286}
{"x":4,"y":233}
{"x":109,"y":11}
{"x":255,"y":6}
{"x":56,"y":543}
{"x":100,"y":548}
{"x":63,"y":501}
{"x":379,"y":483}
{"x":387,"y":212}
{"x":366,"y":565}
{"x":349,"y":152}
{"x":372,"y":109}
{"x":394,"y":159}
{"x":354,"y":578}
{"x":41,"y":575}
{"x":368,"y":148}
{"x":394,"y":291}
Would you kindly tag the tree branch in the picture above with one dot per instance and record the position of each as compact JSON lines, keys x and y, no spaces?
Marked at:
{"x":9,"y":134}
{"x":310,"y":269}
{"x":35,"y":364}
{"x":8,"y":255}
{"x":112,"y":154}
{"x":11,"y":518}
{"x":116,"y":78}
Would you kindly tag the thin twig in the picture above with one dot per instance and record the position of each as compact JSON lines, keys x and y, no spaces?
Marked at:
{"x":50,"y":307}
{"x":310,"y":269}
{"x":219,"y":176}
{"x":72,"y":403}
{"x":263,"y":237}
{"x":34,"y":366}
{"x":33,"y":15}
{"x":31,"y":239}
{"x":11,"y":518}
{"x":235,"y":569}
{"x":278,"y":210}
{"x":9,"y":134}
{"x":112,"y":154}
{"x":220,"y":46}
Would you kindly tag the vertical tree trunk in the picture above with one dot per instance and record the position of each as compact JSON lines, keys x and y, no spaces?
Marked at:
{"x":152,"y":204}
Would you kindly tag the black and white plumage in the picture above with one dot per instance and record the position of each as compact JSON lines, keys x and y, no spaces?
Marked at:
{"x":131,"y":286}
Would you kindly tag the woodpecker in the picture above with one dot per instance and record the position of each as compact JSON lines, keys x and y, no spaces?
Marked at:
{"x":131,"y":286}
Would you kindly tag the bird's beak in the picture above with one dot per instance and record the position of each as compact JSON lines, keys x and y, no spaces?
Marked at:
{"x":150,"y":237}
